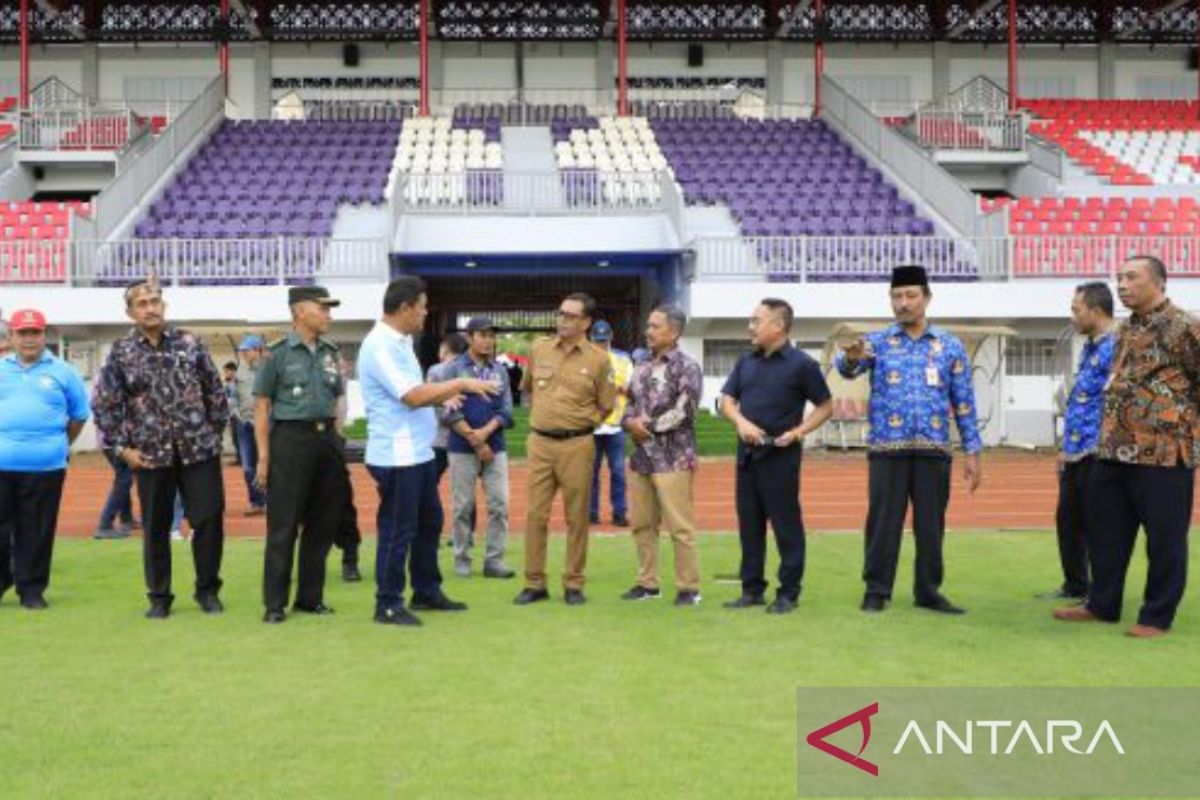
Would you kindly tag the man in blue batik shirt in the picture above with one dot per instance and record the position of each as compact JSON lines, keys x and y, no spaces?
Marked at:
{"x":1092,"y":316}
{"x":920,"y":378}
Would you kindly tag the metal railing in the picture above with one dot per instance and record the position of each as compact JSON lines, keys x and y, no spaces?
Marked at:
{"x":194,"y":262}
{"x":484,"y":192}
{"x":94,"y":128}
{"x":1052,"y":256}
{"x":969,"y":130}
{"x":132,"y":187}
{"x":846,"y":258}
{"x":998,"y":258}
{"x":978,"y":94}
{"x":953,"y":201}
{"x":523,"y":107}
{"x":54,"y":93}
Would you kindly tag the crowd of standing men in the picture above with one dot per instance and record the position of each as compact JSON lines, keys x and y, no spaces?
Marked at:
{"x":1130,"y":447}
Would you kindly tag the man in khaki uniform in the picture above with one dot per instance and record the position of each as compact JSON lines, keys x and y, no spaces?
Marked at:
{"x":569,"y":383}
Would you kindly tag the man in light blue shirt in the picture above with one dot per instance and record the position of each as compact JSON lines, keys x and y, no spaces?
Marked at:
{"x":401,"y":426}
{"x":45,"y":406}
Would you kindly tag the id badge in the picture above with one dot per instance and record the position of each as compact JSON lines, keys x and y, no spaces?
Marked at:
{"x":932,"y":378}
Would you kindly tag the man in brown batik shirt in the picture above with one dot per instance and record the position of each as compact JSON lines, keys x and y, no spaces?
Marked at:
{"x":1147,"y":456}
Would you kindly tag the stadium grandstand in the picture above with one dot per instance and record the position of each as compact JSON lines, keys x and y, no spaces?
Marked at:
{"x":709,"y":153}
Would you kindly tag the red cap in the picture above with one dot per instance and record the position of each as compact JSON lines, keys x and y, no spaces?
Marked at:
{"x":27,"y":319}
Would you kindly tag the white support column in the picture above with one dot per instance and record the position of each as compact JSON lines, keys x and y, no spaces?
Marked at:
{"x":1106,"y":68}
{"x":262,"y":80}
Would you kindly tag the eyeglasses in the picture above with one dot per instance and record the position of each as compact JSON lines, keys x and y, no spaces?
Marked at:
{"x":569,"y":316}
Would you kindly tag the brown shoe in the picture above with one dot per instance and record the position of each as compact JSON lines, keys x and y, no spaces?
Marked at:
{"x":1075,"y":614}
{"x":256,"y":511}
{"x":1145,"y":632}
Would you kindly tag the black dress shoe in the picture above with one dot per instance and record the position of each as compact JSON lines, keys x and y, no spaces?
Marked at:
{"x":320,"y":609}
{"x":942,"y":606}
{"x":528,"y":596}
{"x":574,"y":597}
{"x":210,"y":604}
{"x":782,"y":605}
{"x":34,"y":603}
{"x":594,"y":519}
{"x":350,"y":573}
{"x":621,"y":522}
{"x":438,"y":602}
{"x":397,"y":616}
{"x":874,"y":602}
{"x":158,"y":611}
{"x":746,"y":601}
{"x":274,"y":616}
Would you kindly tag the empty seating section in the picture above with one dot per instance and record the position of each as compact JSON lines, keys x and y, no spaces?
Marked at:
{"x":1059,"y":237}
{"x":1166,"y":158}
{"x":1129,"y":142}
{"x":785,"y":178}
{"x":33,"y":240}
{"x":8,"y":118}
{"x":613,"y":160}
{"x":267,"y":179}
{"x":260,"y":179}
{"x":516,"y":113}
{"x":448,"y":161}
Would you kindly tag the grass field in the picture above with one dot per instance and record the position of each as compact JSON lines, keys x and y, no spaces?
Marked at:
{"x":609,"y":700}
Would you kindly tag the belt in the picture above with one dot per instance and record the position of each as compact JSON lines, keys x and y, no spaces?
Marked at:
{"x":562,"y":435}
{"x":315,"y":425}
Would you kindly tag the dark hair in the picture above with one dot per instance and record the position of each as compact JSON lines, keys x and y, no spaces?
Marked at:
{"x":456,"y":343}
{"x":675,"y":316}
{"x":1158,"y":270}
{"x":589,"y":304}
{"x":230,"y":365}
{"x":1096,"y":295}
{"x":403,"y":291}
{"x":781,"y":307}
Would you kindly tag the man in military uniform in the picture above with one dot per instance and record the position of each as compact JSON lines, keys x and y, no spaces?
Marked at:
{"x":301,"y":454}
{"x":570,"y":387}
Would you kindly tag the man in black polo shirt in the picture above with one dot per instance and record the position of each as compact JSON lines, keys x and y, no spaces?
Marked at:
{"x":765,"y":397}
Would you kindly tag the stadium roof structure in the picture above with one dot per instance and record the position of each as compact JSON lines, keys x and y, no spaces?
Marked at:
{"x":1038,"y":21}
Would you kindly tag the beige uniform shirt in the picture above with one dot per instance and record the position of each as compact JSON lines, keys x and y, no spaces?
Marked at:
{"x":571,"y":388}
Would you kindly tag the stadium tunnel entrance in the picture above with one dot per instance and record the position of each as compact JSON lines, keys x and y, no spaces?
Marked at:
{"x":522,"y":291}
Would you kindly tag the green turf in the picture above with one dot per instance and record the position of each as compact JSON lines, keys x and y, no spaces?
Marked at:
{"x":714,"y":435}
{"x":611,"y":700}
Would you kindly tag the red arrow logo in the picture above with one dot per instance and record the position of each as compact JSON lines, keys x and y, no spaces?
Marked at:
{"x":861,"y":717}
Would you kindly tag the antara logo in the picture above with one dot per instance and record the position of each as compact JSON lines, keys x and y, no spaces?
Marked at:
{"x":861,"y":717}
{"x":1023,"y":736}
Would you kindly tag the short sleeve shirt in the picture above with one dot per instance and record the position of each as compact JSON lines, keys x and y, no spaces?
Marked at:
{"x":38,"y":401}
{"x":772,"y":390}
{"x":571,"y":387}
{"x":301,"y":383}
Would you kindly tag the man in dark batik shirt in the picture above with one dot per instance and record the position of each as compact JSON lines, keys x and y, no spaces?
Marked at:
{"x":161,"y":406}
{"x":1146,"y":459}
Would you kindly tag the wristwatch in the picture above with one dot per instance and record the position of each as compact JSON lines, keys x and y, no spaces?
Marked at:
{"x":117,"y":451}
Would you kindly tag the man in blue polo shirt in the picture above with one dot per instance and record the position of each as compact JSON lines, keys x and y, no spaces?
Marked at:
{"x":45,"y":406}
{"x":401,"y":426}
{"x":765,"y":397}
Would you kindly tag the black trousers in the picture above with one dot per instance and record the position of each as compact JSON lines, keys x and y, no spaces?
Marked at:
{"x":348,"y":537}
{"x":203,"y":494}
{"x":29,"y":503}
{"x":306,"y":489}
{"x":1125,"y":497}
{"x":768,"y":490}
{"x":1072,"y":525}
{"x":894,"y":481}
